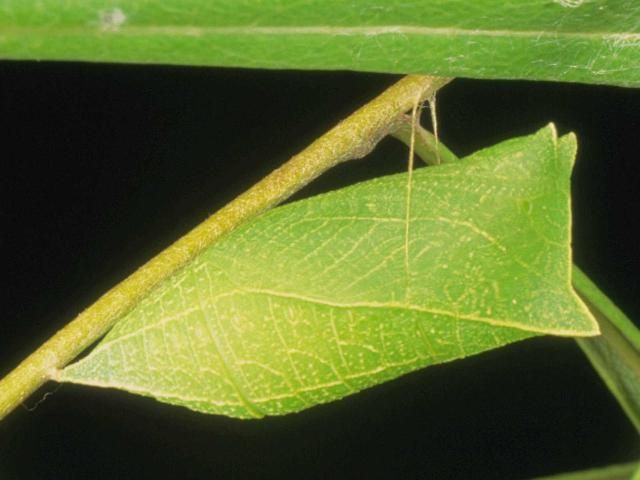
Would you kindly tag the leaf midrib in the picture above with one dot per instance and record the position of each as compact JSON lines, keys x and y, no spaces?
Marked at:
{"x":369,"y":31}
{"x":503,"y":323}
{"x":409,"y":307}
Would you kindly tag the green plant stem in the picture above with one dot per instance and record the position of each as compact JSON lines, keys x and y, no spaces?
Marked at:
{"x":352,"y":138}
{"x":612,"y":472}
{"x":615,"y":354}
{"x":426,"y":147}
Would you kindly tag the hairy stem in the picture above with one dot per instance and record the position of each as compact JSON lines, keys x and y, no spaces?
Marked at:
{"x":354,"y":137}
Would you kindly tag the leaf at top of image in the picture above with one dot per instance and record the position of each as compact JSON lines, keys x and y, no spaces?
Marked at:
{"x":324,"y":297}
{"x":589,"y":41}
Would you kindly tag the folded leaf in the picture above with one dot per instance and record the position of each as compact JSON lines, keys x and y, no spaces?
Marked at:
{"x":566,"y":40}
{"x":324,"y":297}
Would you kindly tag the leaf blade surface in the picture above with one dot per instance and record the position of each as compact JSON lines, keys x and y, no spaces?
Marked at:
{"x":563,"y":40}
{"x":324,"y":297}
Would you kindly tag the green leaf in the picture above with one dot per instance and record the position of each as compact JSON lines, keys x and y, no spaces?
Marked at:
{"x":321,"y":298}
{"x":567,"y":40}
{"x":612,"y":472}
{"x":615,"y":354}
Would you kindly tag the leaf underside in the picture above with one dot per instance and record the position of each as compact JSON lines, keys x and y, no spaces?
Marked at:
{"x":564,"y":40}
{"x":324,"y":297}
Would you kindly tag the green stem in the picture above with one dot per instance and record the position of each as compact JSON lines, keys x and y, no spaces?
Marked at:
{"x":615,"y":354}
{"x":426,"y":146}
{"x":623,"y":471}
{"x":352,"y":138}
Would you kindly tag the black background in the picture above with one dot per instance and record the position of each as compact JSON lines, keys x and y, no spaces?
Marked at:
{"x":104,"y":165}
